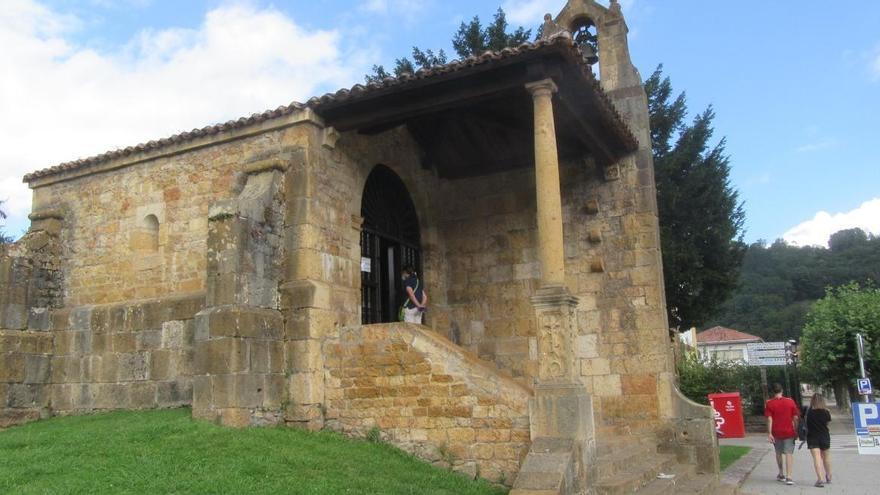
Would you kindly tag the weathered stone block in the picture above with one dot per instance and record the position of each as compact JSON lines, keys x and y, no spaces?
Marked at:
{"x":595,"y":366}
{"x":12,"y":367}
{"x":222,"y":355}
{"x":203,"y":397}
{"x":606,"y":385}
{"x":307,"y":387}
{"x":142,"y":395}
{"x":36,"y":369}
{"x":174,"y":393}
{"x":111,"y":396}
{"x":134,"y":366}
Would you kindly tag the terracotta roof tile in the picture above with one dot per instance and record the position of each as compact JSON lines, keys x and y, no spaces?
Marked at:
{"x":358,"y":91}
{"x":722,"y":334}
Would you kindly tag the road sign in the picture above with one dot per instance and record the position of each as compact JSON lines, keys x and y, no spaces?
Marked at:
{"x":864,"y":386}
{"x":765,"y":346}
{"x":768,"y":361}
{"x":866,"y":419}
{"x":767,"y":354}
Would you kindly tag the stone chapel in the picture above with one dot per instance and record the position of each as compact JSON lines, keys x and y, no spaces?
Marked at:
{"x":251,"y":271}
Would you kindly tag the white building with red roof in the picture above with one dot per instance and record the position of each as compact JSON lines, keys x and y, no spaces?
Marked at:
{"x":725,"y":344}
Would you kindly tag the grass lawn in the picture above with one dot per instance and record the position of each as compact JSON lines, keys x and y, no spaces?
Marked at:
{"x":168,"y":452}
{"x":730,"y":453}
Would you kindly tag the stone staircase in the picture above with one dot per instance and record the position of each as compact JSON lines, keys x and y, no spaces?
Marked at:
{"x":630,"y":463}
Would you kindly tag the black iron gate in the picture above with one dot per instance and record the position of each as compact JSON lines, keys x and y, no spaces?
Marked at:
{"x":389,"y":241}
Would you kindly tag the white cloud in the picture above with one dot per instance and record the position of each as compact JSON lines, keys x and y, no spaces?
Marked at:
{"x":61,"y":101}
{"x":815,"y":232}
{"x":817,"y":145}
{"x":530,"y":12}
{"x":875,"y":64}
{"x":405,"y":9}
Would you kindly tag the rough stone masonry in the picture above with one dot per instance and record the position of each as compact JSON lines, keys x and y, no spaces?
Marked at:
{"x":232,"y":269}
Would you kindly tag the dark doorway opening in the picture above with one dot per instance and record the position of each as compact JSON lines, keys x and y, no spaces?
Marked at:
{"x":390,"y":240}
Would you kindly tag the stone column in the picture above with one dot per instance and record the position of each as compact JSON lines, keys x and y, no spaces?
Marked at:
{"x":561,"y":411}
{"x":547,"y":184}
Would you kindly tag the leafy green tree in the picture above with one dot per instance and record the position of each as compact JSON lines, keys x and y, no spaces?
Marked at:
{"x":828,"y":348}
{"x":472,"y":38}
{"x":701,"y":218}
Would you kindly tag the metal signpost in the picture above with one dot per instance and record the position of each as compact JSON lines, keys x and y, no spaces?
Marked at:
{"x":765,"y":354}
{"x":864,"y":383}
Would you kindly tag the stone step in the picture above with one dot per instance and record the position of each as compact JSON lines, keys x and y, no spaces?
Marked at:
{"x":636,"y":475}
{"x":610,"y":445}
{"x":548,"y":468}
{"x":620,"y":459}
{"x":700,"y":483}
{"x":668,"y":486}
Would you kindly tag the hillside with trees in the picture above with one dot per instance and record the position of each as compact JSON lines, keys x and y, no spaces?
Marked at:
{"x":779,"y":283}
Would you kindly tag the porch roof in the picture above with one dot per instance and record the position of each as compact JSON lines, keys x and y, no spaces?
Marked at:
{"x":474,"y":116}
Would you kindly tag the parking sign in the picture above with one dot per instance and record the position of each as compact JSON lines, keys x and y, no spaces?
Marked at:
{"x":864,"y":386}
{"x":866,"y":419}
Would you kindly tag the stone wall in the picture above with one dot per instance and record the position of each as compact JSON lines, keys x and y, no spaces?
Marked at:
{"x":490,"y":232}
{"x":111,"y":253}
{"x":24,"y":371}
{"x":123,"y":356}
{"x":427,"y":396}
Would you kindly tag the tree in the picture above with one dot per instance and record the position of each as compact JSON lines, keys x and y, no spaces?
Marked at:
{"x":828,"y":347}
{"x":778,"y":283}
{"x":471,"y":39}
{"x":4,"y":239}
{"x":700,"y":216}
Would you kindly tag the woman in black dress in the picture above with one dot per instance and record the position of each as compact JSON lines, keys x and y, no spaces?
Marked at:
{"x":819,"y":439}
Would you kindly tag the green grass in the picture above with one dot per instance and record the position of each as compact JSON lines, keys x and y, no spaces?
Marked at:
{"x":730,"y":453}
{"x":168,"y":452}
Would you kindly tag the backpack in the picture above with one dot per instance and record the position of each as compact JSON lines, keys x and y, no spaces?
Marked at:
{"x":803,"y":431}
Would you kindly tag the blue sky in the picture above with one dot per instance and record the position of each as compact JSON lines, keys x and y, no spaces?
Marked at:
{"x":795,"y":84}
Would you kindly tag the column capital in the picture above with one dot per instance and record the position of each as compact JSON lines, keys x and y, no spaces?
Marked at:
{"x":542,"y":87}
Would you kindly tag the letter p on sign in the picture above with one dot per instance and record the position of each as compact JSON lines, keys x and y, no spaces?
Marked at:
{"x":867,"y":413}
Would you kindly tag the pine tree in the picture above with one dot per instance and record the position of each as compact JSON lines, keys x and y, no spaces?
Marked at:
{"x":4,"y":239}
{"x":701,"y":218}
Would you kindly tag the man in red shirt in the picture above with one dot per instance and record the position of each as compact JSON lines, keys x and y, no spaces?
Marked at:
{"x":782,"y":422}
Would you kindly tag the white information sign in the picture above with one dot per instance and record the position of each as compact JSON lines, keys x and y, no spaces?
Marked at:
{"x":366,"y":265}
{"x":866,"y":419}
{"x":767,"y":354}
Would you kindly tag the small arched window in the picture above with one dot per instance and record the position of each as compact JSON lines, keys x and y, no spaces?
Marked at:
{"x":149,"y":233}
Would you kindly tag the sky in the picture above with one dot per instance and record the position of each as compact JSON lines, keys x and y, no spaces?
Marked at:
{"x":795,"y":84}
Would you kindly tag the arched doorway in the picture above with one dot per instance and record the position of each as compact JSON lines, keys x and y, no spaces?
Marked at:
{"x":390,"y":240}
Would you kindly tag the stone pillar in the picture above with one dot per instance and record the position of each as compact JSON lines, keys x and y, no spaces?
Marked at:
{"x":549,"y":198}
{"x":30,"y":286}
{"x":238,"y":377}
{"x":561,"y":412}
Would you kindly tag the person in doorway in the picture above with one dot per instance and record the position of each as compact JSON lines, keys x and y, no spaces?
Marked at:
{"x":416,"y":297}
{"x":782,"y":422}
{"x":819,"y":438}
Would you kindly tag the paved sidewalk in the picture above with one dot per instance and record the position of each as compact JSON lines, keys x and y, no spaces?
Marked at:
{"x":852,"y":473}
